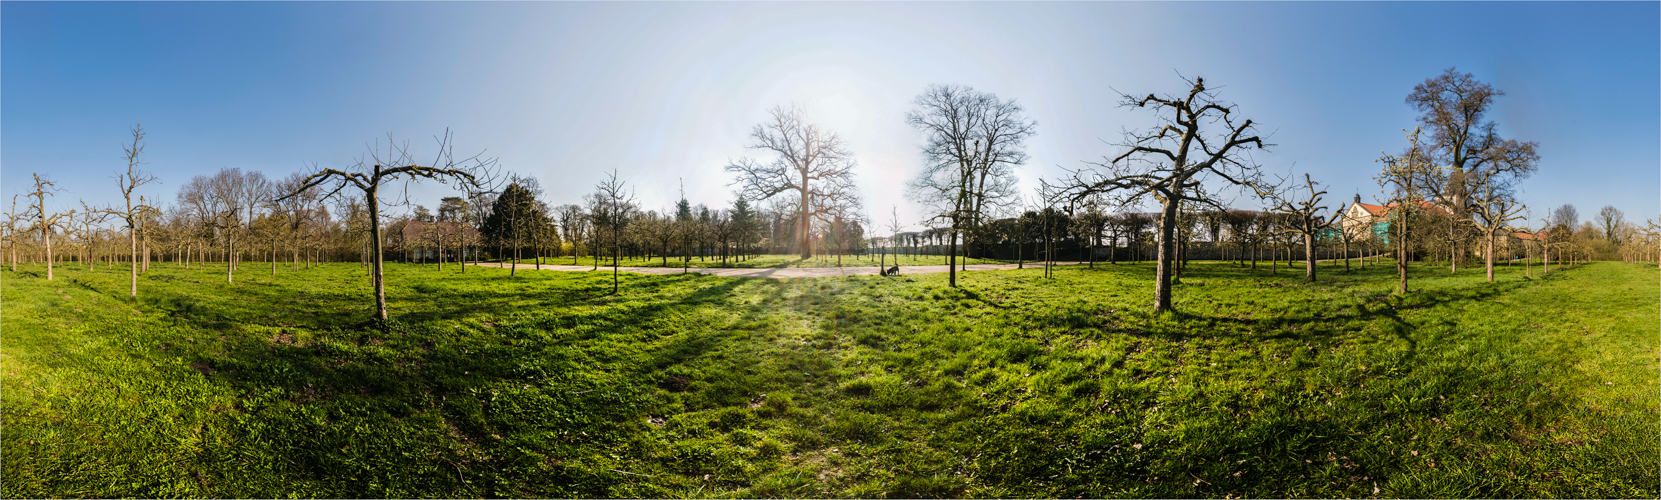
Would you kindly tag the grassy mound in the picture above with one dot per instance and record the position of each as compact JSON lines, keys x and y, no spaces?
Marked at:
{"x":692,"y":385}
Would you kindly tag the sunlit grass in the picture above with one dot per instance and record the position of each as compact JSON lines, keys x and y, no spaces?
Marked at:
{"x":689,"y":385}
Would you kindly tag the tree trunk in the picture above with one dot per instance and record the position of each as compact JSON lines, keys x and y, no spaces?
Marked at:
{"x":1401,"y":257}
{"x":807,"y":251}
{"x":1490,"y":259}
{"x":1167,"y":252}
{"x":951,"y":253}
{"x":1346,"y":255}
{"x":1309,"y":256}
{"x":230,"y":253}
{"x":132,"y":263}
{"x":616,"y":253}
{"x":377,"y":260}
{"x":47,"y":235}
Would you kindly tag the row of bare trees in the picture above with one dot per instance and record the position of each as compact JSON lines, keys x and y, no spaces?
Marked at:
{"x":1451,"y":192}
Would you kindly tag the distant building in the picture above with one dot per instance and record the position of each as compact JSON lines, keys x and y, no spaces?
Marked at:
{"x":1361,"y":218}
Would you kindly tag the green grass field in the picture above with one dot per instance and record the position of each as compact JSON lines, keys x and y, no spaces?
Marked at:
{"x":776,"y":260}
{"x":702,"y":386}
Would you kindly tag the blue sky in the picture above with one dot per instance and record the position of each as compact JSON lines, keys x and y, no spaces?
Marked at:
{"x":667,"y":92}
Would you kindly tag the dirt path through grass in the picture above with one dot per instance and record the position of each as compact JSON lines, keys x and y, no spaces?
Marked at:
{"x":777,"y":272}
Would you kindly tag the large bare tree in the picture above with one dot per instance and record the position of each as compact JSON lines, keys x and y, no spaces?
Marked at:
{"x":812,"y":162}
{"x":1453,"y":106}
{"x":971,"y":143}
{"x":1197,"y":138}
{"x":383,"y":167}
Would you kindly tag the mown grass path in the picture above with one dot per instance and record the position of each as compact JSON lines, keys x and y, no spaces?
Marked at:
{"x":691,"y":385}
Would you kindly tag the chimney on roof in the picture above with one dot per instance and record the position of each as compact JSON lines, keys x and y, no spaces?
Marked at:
{"x":1358,"y":198}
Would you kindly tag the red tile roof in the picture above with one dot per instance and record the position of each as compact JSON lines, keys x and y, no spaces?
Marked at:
{"x":1383,"y":211}
{"x":1375,"y":210}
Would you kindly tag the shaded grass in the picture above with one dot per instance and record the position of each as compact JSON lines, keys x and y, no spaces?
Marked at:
{"x":693,"y":385}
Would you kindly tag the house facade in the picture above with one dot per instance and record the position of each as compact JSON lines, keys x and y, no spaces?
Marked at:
{"x":1360,"y":219}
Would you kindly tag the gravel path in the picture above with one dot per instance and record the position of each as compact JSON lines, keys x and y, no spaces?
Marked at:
{"x":774,"y":272}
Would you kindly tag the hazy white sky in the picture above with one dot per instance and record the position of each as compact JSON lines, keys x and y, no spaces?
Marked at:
{"x":665,"y":92}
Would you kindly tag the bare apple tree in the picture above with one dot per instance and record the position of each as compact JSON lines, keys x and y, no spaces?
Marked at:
{"x":1491,"y":199}
{"x":133,"y":214}
{"x":44,"y":221}
{"x":1403,"y":179}
{"x":13,"y":217}
{"x":383,"y":167}
{"x":1303,"y":218}
{"x":1171,"y":162}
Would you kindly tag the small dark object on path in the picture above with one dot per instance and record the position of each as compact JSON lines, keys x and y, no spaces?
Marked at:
{"x":892,"y":271}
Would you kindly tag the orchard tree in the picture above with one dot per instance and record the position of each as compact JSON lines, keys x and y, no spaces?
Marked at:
{"x":44,"y":221}
{"x":1303,"y":218}
{"x":1197,"y":138}
{"x":1492,"y":200}
{"x":1405,"y":190}
{"x":133,"y":214}
{"x":384,"y":167}
{"x":13,"y":217}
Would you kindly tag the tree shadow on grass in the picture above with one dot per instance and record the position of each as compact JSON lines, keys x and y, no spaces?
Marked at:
{"x":1183,"y":324}
{"x":1375,"y":306}
{"x":497,"y":403}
